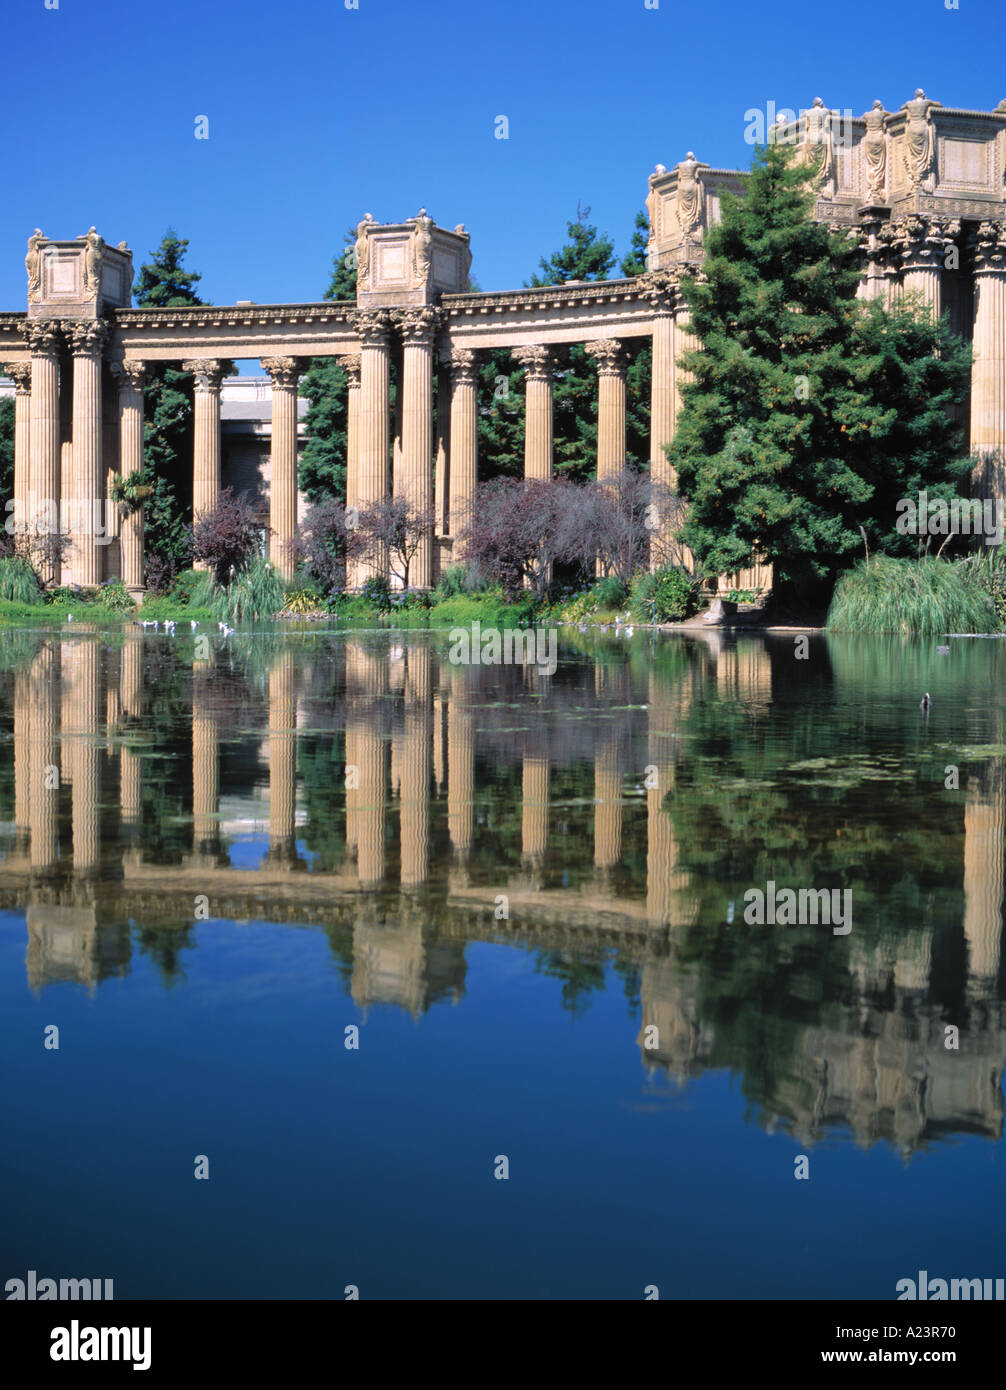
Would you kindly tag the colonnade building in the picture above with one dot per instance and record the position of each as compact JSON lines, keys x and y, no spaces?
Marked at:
{"x":920,"y":188}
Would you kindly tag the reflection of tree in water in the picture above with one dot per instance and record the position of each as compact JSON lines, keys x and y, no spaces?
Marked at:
{"x":163,"y":943}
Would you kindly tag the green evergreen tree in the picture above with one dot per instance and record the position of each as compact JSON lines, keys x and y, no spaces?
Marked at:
{"x":7,"y":449}
{"x":640,"y":371}
{"x":810,"y":412}
{"x":322,"y":469}
{"x":163,"y":283}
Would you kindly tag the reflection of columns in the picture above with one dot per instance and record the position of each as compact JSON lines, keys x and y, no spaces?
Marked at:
{"x":988,"y":372}
{"x":372,"y":441}
{"x":22,"y":754}
{"x":88,"y":489}
{"x":666,"y":903}
{"x":43,"y":466}
{"x":285,"y":372}
{"x":414,"y":802}
{"x":464,"y":440}
{"x":84,"y":707}
{"x":610,"y":406}
{"x":607,"y":806}
{"x":537,"y":364}
{"x":418,"y":327}
{"x":282,"y":759}
{"x":131,"y":376}
{"x":367,"y":758}
{"x":460,"y":765}
{"x":43,"y":771}
{"x":206,"y":457}
{"x":534,"y":810}
{"x":205,"y":765}
{"x":20,"y":374}
{"x":983,"y":878}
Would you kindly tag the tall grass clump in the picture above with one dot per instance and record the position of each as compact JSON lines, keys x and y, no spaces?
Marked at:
{"x":922,"y":598}
{"x":257,"y":593}
{"x":18,"y":581}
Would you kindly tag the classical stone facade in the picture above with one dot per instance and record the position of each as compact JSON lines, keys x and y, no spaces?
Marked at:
{"x":921,"y":188}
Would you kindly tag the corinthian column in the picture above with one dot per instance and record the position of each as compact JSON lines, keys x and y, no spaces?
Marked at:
{"x":351,"y":366}
{"x":537,"y":364}
{"x":206,"y":455}
{"x":464,"y":440}
{"x":372,"y":464}
{"x":131,"y":376}
{"x":88,"y":489}
{"x":988,"y":371}
{"x":610,"y":406}
{"x":418,"y":328}
{"x":662,"y":405}
{"x":921,"y":246}
{"x":43,"y":460}
{"x":285,"y":372}
{"x":20,"y":374}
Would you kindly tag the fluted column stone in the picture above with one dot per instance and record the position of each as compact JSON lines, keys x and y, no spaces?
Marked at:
{"x":285,"y":372}
{"x":44,"y":447}
{"x":537,"y":364}
{"x":611,"y":366}
{"x":208,"y":375}
{"x":131,"y":378}
{"x":20,"y":374}
{"x":418,"y":328}
{"x":464,"y":439}
{"x":988,"y":371}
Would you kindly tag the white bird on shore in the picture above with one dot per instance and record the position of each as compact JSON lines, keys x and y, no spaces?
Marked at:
{"x":193,"y":624}
{"x":149,"y":622}
{"x":629,"y":631}
{"x":228,"y":631}
{"x":169,"y":626}
{"x":925,"y":702}
{"x":69,"y":617}
{"x":221,"y":627}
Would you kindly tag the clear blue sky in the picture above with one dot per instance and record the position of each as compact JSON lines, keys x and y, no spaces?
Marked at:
{"x":319,"y":114}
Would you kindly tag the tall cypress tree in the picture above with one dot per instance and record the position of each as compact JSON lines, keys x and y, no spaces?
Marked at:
{"x":811,"y":412}
{"x":167,"y":406}
{"x":322,"y":468}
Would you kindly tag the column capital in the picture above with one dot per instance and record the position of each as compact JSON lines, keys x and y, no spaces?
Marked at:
{"x":130,"y":375}
{"x":418,"y":327}
{"x":373,"y":326}
{"x":351,"y":366}
{"x":208,"y":373}
{"x":921,"y":243}
{"x":536,"y":361}
{"x":86,"y":339}
{"x":44,"y":337}
{"x":464,"y":366}
{"x":285,"y":371}
{"x":20,"y":374}
{"x":990,"y":248}
{"x":661,"y":288}
{"x":610,"y":354}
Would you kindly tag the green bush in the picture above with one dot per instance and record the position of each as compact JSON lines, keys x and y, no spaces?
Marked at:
{"x":491,"y":609}
{"x":924,"y":598}
{"x":305,"y":600}
{"x":377,"y":592}
{"x":457,"y":580}
{"x":257,"y":593}
{"x":666,"y":596}
{"x":988,"y":567}
{"x":18,"y":581}
{"x":610,"y":592}
{"x":116,"y":597}
{"x":182,"y":589}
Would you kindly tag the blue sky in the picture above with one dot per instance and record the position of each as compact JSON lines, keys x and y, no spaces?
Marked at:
{"x":318,"y":114}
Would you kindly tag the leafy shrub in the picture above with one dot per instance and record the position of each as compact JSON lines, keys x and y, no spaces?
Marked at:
{"x":667,"y":596}
{"x":610,"y":592}
{"x":926,"y":598}
{"x":227,"y":538}
{"x":255,"y":594}
{"x":161,"y":572}
{"x":306,"y":600}
{"x":459,"y":579}
{"x":377,"y":592}
{"x":18,"y":581}
{"x":64,"y":594}
{"x":988,"y":568}
{"x":116,"y":597}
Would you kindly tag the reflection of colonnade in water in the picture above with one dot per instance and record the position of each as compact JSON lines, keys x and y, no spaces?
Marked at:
{"x":412,"y":723}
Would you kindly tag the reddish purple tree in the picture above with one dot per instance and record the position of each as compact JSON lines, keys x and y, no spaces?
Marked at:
{"x":391,"y":531}
{"x":520,"y":529}
{"x":226,"y":538}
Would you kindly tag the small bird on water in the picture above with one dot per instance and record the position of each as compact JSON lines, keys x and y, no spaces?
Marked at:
{"x":925,"y":702}
{"x":943,"y":651}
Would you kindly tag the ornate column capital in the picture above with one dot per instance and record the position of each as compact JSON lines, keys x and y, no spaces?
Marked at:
{"x":208,"y":373}
{"x":131,"y":375}
{"x":351,"y":366}
{"x":86,"y":339}
{"x":373,"y":326}
{"x":610,"y":354}
{"x":536,"y":361}
{"x":20,"y":374}
{"x":989,"y":253}
{"x":464,"y":366}
{"x":660,"y":287}
{"x":285,"y":371}
{"x":921,"y":243}
{"x":418,"y":327}
{"x":44,"y":337}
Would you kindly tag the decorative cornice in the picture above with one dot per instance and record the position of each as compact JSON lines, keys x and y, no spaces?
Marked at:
{"x":610,"y":354}
{"x":567,"y":296}
{"x":373,"y":326}
{"x":208,"y":373}
{"x":285,"y":371}
{"x":350,"y":364}
{"x":990,"y":248}
{"x":536,"y":361}
{"x":20,"y":374}
{"x":418,"y":326}
{"x":235,"y":315}
{"x":86,"y":339}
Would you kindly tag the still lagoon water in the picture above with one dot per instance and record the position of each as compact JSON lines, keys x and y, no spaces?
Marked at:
{"x":527,"y":893}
